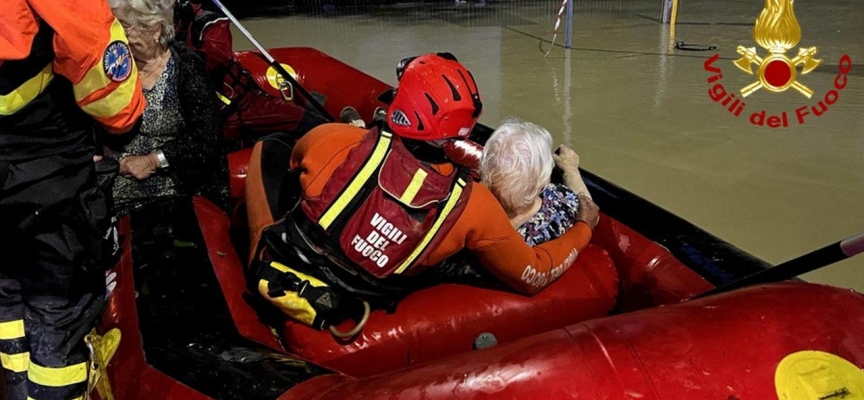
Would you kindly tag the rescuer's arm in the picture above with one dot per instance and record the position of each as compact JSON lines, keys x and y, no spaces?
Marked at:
{"x":93,"y":53}
{"x":503,"y":252}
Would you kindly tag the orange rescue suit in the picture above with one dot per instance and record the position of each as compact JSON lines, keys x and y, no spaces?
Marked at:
{"x":80,"y":51}
{"x":483,"y":227}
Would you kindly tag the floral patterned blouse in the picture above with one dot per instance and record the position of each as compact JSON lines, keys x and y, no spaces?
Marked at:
{"x":159,"y":125}
{"x":557,"y":214}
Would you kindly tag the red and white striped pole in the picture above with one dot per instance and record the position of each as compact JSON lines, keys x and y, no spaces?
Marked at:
{"x":566,"y":4}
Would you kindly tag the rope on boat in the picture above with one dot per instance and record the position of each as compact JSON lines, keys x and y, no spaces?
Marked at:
{"x":555,"y":30}
{"x":347,"y":335}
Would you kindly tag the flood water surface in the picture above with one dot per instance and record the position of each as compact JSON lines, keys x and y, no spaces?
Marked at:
{"x":639,"y":111}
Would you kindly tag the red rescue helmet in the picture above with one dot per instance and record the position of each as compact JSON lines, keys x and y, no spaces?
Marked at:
{"x":437,"y":99}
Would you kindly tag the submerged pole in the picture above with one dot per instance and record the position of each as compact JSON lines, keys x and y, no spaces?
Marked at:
{"x":568,"y":29}
{"x":669,"y":12}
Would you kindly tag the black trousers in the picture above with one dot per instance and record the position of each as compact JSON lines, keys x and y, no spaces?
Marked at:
{"x":51,"y":289}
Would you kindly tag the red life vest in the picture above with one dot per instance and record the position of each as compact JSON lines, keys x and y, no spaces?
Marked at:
{"x":385,"y":209}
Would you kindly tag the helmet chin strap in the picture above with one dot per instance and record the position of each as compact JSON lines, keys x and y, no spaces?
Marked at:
{"x":426,"y":151}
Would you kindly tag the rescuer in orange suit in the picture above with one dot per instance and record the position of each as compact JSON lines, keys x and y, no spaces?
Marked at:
{"x":380,"y":207}
{"x":63,"y":64}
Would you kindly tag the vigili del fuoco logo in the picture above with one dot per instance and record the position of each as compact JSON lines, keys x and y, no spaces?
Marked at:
{"x":777,"y":32}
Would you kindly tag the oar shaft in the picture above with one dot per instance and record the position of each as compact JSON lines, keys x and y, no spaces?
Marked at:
{"x":809,"y":262}
{"x":854,"y":245}
{"x":244,"y":31}
{"x":273,"y":63}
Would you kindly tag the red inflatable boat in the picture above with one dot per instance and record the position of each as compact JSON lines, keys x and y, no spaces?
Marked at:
{"x":180,"y":324}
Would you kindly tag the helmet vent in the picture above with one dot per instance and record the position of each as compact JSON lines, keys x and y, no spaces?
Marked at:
{"x":420,"y":126}
{"x":399,"y":118}
{"x":456,"y":96}
{"x":432,"y":103}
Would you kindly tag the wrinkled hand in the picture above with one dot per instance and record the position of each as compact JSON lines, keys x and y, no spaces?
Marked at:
{"x":139,"y":167}
{"x":589,"y":212}
{"x":566,"y":159}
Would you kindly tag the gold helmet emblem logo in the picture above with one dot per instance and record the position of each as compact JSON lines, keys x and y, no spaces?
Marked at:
{"x":777,"y":31}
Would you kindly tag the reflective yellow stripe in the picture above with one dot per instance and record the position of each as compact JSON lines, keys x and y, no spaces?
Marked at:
{"x":113,"y":103}
{"x":451,"y":202}
{"x":15,"y":362}
{"x":357,"y":183}
{"x":24,"y":94}
{"x":224,"y":99}
{"x":414,"y":186}
{"x":57,"y":377}
{"x":95,"y":78}
{"x":12,"y":330}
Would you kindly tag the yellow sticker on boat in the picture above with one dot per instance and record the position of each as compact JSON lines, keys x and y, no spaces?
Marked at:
{"x":812,"y":375}
{"x":275,"y":79}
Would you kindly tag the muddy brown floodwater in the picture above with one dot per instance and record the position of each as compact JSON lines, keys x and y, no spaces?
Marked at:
{"x":639,"y":112}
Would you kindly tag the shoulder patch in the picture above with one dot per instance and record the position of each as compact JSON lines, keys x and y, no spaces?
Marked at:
{"x":117,"y":61}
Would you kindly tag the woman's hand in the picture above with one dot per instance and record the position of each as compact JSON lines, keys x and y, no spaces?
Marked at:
{"x":566,"y":159}
{"x":588,"y":211}
{"x":139,"y":167}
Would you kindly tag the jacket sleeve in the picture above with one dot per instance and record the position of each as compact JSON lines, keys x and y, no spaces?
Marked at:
{"x":503,"y":252}
{"x":91,"y":50}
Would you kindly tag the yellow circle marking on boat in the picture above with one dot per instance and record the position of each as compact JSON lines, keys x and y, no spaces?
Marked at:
{"x":811,"y":375}
{"x":275,"y":78}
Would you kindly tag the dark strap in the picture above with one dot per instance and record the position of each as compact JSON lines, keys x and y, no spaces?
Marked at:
{"x":4,"y":173}
{"x":343,"y":272}
{"x":279,"y":282}
{"x":326,"y":302}
{"x":239,"y":82}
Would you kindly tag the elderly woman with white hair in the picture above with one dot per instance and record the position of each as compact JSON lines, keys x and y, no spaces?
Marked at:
{"x":517,"y":165}
{"x":177,"y":150}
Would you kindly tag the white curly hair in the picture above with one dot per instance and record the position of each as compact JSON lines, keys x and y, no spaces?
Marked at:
{"x":517,"y":163}
{"x":147,"y":14}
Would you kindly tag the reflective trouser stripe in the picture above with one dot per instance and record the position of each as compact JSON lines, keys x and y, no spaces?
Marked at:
{"x":12,"y":329}
{"x":57,"y":377}
{"x":13,"y":352}
{"x":15,"y":362}
{"x":14,"y":355}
